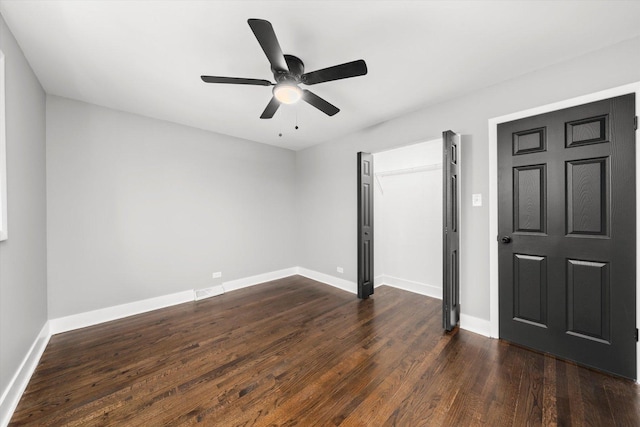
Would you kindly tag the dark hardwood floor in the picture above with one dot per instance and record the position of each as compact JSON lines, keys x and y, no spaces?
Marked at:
{"x":296,"y":352}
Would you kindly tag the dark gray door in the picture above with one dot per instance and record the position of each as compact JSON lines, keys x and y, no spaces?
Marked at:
{"x":450,"y":232}
{"x":365,"y":225}
{"x":566,"y":218}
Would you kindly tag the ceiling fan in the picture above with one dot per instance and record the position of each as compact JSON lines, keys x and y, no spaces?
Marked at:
{"x":288,"y":72}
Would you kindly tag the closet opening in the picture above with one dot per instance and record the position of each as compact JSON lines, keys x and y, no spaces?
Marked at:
{"x":407,"y":217}
{"x":409,"y":210}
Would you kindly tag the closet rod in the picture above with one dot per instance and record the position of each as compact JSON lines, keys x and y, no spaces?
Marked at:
{"x":416,"y":169}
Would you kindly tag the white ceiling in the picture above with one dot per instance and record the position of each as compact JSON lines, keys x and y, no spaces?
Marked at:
{"x":146,"y":57}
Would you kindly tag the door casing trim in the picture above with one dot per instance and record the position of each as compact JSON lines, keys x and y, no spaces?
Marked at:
{"x":494,"y":313}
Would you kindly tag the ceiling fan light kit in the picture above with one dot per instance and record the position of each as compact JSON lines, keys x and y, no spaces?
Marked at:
{"x":287,"y":93}
{"x":288,"y":72}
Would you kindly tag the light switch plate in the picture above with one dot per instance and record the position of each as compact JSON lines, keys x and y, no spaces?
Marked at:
{"x":476,"y":199}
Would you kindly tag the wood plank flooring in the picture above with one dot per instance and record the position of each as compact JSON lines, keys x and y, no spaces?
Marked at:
{"x":296,"y":352}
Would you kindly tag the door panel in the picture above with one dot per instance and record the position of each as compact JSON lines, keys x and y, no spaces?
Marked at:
{"x":530,"y":289}
{"x":529,"y":141}
{"x":587,"y":204}
{"x":566,"y":215}
{"x":588,"y":300}
{"x":451,"y":244}
{"x":529,"y":196}
{"x":365,"y":225}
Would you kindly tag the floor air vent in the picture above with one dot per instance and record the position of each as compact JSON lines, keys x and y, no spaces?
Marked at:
{"x":208,"y":292}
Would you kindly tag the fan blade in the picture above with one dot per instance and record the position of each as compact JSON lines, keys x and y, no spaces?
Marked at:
{"x":269,"y":42}
{"x":235,"y":80}
{"x":337,"y":72}
{"x":271,"y":109}
{"x":319,"y":103}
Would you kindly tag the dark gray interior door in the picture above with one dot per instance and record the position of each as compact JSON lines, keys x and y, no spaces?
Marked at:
{"x":450,"y":232}
{"x":566,"y":218}
{"x":365,"y":225}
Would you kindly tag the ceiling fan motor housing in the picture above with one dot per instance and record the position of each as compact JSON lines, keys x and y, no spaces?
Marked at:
{"x":296,"y":70}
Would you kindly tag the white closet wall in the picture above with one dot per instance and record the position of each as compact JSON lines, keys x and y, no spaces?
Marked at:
{"x":408,"y":218}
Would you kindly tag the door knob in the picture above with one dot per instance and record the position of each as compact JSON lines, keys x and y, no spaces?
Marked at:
{"x":505,"y":239}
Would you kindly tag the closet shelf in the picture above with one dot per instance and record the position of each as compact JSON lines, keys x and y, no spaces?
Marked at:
{"x":416,"y":169}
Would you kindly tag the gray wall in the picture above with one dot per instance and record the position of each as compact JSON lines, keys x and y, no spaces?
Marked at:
{"x":23,"y":260}
{"x":138,"y":208}
{"x":326,"y":189}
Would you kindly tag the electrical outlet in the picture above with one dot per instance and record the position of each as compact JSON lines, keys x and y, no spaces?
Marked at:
{"x":340,"y":269}
{"x":217,"y":275}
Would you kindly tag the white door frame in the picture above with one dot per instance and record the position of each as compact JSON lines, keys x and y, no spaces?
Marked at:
{"x":493,"y":193}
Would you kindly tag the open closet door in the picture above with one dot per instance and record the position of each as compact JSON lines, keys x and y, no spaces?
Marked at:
{"x":450,"y":232}
{"x":365,"y":225}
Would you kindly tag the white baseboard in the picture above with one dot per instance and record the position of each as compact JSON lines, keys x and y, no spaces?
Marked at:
{"x":337,"y":282}
{"x":475,"y":324}
{"x":259,"y":278}
{"x":107,"y":314}
{"x":12,"y":394}
{"x":90,"y":318}
{"x":409,"y":285}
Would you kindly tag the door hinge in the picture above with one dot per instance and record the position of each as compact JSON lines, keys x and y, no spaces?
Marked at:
{"x":636,"y":334}
{"x":635,"y":122}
